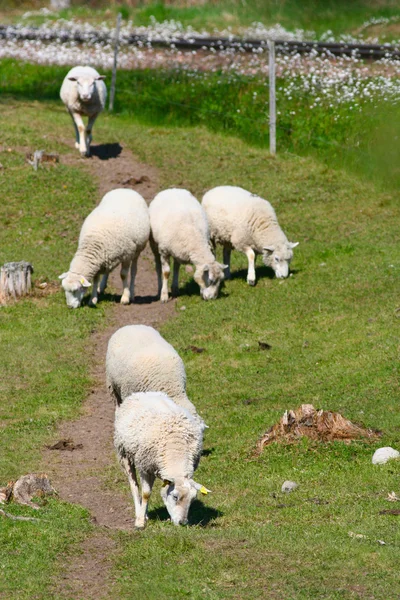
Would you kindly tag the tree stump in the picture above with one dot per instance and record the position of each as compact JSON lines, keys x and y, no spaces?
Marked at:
{"x":15,"y":280}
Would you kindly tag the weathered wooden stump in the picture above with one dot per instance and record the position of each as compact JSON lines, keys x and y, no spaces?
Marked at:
{"x":15,"y":280}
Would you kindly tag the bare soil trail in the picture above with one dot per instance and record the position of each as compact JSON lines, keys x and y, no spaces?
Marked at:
{"x":76,"y":474}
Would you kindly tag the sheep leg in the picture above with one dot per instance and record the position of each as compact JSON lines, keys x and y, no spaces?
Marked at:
{"x":103,"y":283}
{"x":129,"y":469}
{"x":251,"y":273}
{"x":93,"y":297}
{"x":76,"y":131}
{"x":133,"y":277}
{"x":227,"y":261}
{"x":82,"y":133}
{"x":175,"y":278}
{"x":157,"y":260}
{"x":165,"y":276}
{"x":89,"y":131}
{"x":147,"y":482}
{"x":125,"y":298}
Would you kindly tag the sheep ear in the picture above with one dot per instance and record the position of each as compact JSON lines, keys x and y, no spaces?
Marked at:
{"x":72,"y":79}
{"x":223,"y":267}
{"x":200,"y":488}
{"x":101,"y":78}
{"x":63,"y":276}
{"x":84,"y":282}
{"x":269,"y":248}
{"x":293,"y":244}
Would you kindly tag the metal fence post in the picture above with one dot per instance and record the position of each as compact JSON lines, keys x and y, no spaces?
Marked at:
{"x":114,"y":72}
{"x":272,"y":99}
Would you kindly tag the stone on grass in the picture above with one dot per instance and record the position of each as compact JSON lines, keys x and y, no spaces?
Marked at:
{"x":382,"y":455}
{"x":289,"y":486}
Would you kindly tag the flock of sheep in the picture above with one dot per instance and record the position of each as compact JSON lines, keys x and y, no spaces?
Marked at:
{"x":158,"y":432}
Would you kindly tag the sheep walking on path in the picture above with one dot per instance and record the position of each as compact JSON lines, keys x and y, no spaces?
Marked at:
{"x":241,"y":220}
{"x":84,"y":94}
{"x":159,"y":439}
{"x":140,"y":360}
{"x":179,"y":229}
{"x":114,"y":233}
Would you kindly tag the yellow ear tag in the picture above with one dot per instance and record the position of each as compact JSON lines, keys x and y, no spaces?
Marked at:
{"x":82,"y":281}
{"x":203,"y":490}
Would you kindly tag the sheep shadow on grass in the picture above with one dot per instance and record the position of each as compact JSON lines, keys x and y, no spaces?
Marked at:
{"x":262,"y":272}
{"x":106,"y":151}
{"x":116,"y":299}
{"x":191,"y":288}
{"x":199,"y":514}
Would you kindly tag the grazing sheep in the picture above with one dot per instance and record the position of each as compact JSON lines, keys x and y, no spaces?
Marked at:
{"x":241,"y":220}
{"x":179,"y":229}
{"x":84,"y":94}
{"x":114,"y":233}
{"x":159,"y":439}
{"x":140,"y":360}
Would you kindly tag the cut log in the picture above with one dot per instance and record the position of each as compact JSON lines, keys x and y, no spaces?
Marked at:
{"x":15,"y":280}
{"x":40,"y":156}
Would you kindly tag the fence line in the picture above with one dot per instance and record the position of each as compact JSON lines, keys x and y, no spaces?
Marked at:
{"x":372,"y":51}
{"x":114,"y":71}
{"x":272,"y":98}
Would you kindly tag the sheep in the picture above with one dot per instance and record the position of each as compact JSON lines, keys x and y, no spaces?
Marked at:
{"x":139,"y":359}
{"x":114,"y":233}
{"x":84,"y":94}
{"x":179,"y":229}
{"x":160,"y":439}
{"x":241,"y":220}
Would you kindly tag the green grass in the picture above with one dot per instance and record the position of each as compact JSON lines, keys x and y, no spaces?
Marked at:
{"x":334,"y":336}
{"x":44,"y":360}
{"x":341,"y":301}
{"x":364,"y":141}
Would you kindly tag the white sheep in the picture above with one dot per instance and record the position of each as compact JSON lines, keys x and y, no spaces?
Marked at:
{"x":179,"y":229}
{"x":159,"y":439}
{"x":241,"y":220}
{"x":114,"y":233}
{"x":84,"y":94}
{"x":140,"y":360}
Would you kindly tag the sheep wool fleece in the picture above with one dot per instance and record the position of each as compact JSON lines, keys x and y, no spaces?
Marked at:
{"x":242,"y":219}
{"x":140,"y":360}
{"x":158,"y":436}
{"x":114,"y":232}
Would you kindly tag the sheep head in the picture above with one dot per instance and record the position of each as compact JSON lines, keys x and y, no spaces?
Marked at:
{"x":74,"y":286}
{"x":86,"y":86}
{"x":209,"y":277}
{"x":178,"y":495}
{"x":278,"y":257}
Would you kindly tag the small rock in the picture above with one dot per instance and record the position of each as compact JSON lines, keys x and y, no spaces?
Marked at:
{"x":183,"y":307}
{"x":382,"y":455}
{"x":288,"y":486}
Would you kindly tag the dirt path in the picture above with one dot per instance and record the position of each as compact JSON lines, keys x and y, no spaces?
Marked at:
{"x":77,"y":474}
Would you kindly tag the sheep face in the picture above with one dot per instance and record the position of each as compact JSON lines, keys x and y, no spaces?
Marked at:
{"x":178,"y":496}
{"x":86,"y":86}
{"x":278,"y":258}
{"x":209,"y":277}
{"x":74,"y":286}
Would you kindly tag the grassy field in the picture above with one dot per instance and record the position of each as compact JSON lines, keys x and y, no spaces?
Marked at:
{"x":238,"y":105}
{"x":44,"y":366}
{"x":334,"y":340}
{"x":338,"y":16}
